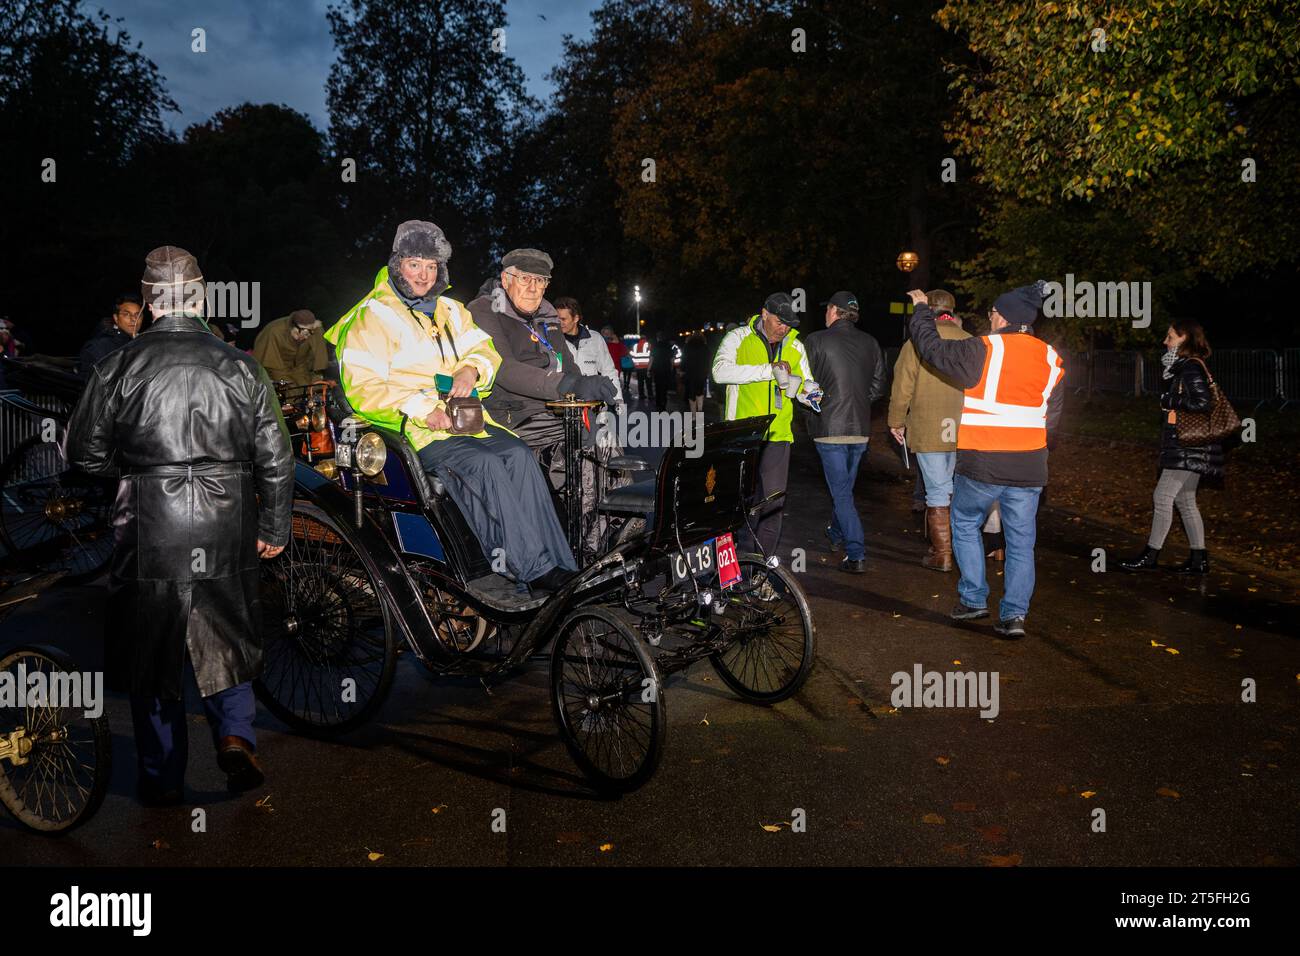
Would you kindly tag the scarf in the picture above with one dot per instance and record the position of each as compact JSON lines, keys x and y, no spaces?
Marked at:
{"x":1168,"y":360}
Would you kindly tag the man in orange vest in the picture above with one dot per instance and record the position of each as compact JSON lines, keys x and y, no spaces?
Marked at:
{"x":1013,"y":398}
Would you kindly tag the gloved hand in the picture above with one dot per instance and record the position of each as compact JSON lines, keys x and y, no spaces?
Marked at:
{"x":812,"y":396}
{"x":588,"y":388}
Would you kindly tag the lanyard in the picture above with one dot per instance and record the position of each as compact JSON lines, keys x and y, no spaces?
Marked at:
{"x":539,"y":336}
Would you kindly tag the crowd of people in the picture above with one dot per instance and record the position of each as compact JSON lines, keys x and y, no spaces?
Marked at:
{"x":193,"y":429}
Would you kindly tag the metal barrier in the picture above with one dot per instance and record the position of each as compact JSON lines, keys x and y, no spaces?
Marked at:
{"x":17,"y":426}
{"x":1249,"y":375}
{"x":1289,"y":377}
{"x":1245,"y":375}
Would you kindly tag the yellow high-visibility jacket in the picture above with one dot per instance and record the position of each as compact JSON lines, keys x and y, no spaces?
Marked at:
{"x":389,"y":354}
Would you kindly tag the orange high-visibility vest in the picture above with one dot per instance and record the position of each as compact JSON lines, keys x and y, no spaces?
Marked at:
{"x":1006,"y":410}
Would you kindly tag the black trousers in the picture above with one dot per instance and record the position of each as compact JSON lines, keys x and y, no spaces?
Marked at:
{"x":501,"y":492}
{"x":773,"y":469}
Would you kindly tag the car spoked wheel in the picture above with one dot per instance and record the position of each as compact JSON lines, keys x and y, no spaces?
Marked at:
{"x":768,"y":627}
{"x":607,"y":700}
{"x":455,"y":623}
{"x":55,"y":762}
{"x":55,"y":517}
{"x":329,"y":652}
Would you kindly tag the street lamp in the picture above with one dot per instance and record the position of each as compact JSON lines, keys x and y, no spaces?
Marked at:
{"x":906,"y":262}
{"x":636,"y":293}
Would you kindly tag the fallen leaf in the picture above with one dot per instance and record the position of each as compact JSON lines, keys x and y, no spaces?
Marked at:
{"x":438,"y":809}
{"x":941,"y":761}
{"x":1156,"y":644}
{"x":1166,"y":792}
{"x":773,"y":827}
{"x":1088,"y":794}
{"x":372,"y":856}
{"x":957,"y":663}
{"x":1171,"y":650}
{"x":705,"y":721}
{"x":606,"y":847}
{"x":1012,"y":860}
{"x":933,"y":818}
{"x":964,"y":807}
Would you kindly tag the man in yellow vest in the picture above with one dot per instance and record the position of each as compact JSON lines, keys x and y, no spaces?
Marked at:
{"x":765,"y":368}
{"x":1012,"y":399}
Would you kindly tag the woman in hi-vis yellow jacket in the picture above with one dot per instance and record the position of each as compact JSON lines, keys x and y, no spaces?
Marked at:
{"x":392,"y":347}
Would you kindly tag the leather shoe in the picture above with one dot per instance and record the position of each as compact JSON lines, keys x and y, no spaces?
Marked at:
{"x":854,"y":565}
{"x":238,"y":759}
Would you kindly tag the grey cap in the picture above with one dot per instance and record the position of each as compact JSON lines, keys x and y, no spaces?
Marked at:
{"x":528,"y":260}
{"x":417,"y":239}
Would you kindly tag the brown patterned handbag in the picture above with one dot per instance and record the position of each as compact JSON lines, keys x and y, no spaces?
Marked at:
{"x":1208,"y":428}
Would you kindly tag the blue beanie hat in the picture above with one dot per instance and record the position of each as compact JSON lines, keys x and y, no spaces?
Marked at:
{"x":1020,"y":306}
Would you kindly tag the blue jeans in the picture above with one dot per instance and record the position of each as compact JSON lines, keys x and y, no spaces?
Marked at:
{"x":161,"y":737}
{"x":971,"y":501}
{"x":840,"y":463}
{"x":936,"y":469}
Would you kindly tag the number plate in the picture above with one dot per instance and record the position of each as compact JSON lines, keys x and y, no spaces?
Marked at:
{"x":343,"y":455}
{"x":692,"y":561}
{"x":728,"y":564}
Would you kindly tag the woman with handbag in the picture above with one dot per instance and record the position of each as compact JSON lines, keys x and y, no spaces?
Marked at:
{"x":1197,"y":419}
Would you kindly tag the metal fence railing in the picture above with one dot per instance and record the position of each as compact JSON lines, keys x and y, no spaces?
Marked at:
{"x":1246,"y":375}
{"x":17,"y":426}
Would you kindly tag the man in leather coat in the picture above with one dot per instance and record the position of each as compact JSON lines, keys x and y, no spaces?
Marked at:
{"x":193,"y":429}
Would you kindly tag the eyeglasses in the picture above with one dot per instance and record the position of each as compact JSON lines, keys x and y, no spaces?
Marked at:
{"x":530,"y":280}
{"x":124,"y":314}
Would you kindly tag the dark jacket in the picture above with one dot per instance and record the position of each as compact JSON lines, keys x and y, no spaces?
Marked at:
{"x":530,"y":374}
{"x":696,"y":358}
{"x":184,"y":574}
{"x":107,"y":339}
{"x":962,"y":360}
{"x":662,"y":360}
{"x":850,"y":367}
{"x":1188,"y":390}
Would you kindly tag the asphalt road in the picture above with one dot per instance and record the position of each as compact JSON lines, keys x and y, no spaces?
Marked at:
{"x":1096,"y":710}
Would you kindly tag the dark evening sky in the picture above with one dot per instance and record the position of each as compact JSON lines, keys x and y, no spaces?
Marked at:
{"x":280,"y":51}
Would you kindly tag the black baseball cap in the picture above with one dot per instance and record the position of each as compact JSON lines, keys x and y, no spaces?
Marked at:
{"x":843,"y":300}
{"x":782,"y":306}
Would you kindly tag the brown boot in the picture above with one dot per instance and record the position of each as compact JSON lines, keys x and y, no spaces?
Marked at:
{"x":937,"y":524}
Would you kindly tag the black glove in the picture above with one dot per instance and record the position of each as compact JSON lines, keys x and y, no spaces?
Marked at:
{"x":588,"y":388}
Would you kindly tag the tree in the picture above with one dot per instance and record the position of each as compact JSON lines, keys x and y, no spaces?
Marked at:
{"x":1140,"y":113}
{"x":426,"y":100}
{"x":78,"y":104}
{"x":795,"y":145}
